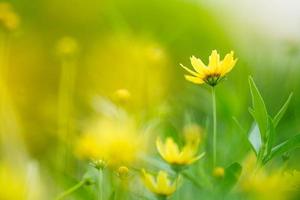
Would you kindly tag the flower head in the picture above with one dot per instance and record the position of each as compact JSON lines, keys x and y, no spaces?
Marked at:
{"x":122,"y":96}
{"x":123,"y":172}
{"x":212,"y":73}
{"x":170,"y":152}
{"x":12,"y":183}
{"x":112,"y":141}
{"x":67,"y":46}
{"x":161,"y":185}
{"x":8,"y":18}
{"x":218,"y":172}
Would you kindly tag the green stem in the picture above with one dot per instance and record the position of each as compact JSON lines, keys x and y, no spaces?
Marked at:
{"x":191,"y":179}
{"x":214,"y":107}
{"x":100,"y":184}
{"x":71,"y":190}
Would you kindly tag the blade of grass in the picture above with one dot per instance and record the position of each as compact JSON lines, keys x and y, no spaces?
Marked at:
{"x":282,"y":110}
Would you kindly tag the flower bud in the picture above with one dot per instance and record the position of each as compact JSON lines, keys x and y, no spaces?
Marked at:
{"x":123,"y":172}
{"x":219,"y":172}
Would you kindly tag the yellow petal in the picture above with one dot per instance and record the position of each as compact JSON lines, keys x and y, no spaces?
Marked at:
{"x":188,"y":70}
{"x":227,"y":63}
{"x":148,"y":180}
{"x":171,"y":150}
{"x":194,"y":159}
{"x":194,"y":79}
{"x":162,"y":181}
{"x":187,"y":154}
{"x":214,"y":60}
{"x":198,"y":65}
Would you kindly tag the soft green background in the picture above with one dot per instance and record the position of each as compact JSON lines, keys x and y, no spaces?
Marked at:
{"x":114,"y":38}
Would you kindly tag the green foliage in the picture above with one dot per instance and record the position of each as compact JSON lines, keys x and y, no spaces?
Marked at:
{"x":232,"y":175}
{"x":262,"y":134}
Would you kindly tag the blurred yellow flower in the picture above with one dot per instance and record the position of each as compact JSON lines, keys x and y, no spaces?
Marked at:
{"x":67,"y":46}
{"x":170,"y":152}
{"x":123,"y":172}
{"x":12,"y":184}
{"x":192,"y":133}
{"x":121,"y":96}
{"x":114,"y":141}
{"x":262,"y":184}
{"x":218,"y":172}
{"x":161,"y":185}
{"x":8,"y":18}
{"x":212,"y":73}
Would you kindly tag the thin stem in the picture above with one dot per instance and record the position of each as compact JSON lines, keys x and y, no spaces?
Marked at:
{"x":71,"y":190}
{"x":100,"y":184}
{"x":214,"y":107}
{"x":192,"y":179}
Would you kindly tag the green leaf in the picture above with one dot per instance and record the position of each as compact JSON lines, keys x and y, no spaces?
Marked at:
{"x":244,"y":133}
{"x":259,"y":111}
{"x":232,"y":175}
{"x":270,"y":135}
{"x":282,"y":110}
{"x":254,"y":138}
{"x":289,"y":144}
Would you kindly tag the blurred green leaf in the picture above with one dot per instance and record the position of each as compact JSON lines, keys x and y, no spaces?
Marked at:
{"x":284,"y":147}
{"x":270,"y":135}
{"x":282,"y":110}
{"x":232,"y":174}
{"x":259,"y":111}
{"x":245,"y":134}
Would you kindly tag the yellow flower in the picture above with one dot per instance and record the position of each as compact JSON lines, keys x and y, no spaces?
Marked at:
{"x":212,"y":73}
{"x":116,"y":142}
{"x":12,"y":183}
{"x":122,"y":96}
{"x":123,"y":172}
{"x":193,"y":133}
{"x":8,"y":18}
{"x":67,"y":46}
{"x":264,"y":184}
{"x":161,"y":185}
{"x":170,"y":152}
{"x":218,"y":172}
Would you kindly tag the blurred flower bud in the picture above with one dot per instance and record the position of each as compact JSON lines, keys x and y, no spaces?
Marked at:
{"x":219,"y":172}
{"x":192,"y":134}
{"x":121,"y":96}
{"x":99,"y":164}
{"x":123,"y":172}
{"x":67,"y":46}
{"x":9,"y":20}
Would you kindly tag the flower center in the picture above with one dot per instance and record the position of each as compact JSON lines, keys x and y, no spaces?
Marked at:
{"x":212,"y":79}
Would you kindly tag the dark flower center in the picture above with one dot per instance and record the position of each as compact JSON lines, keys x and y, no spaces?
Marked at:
{"x":212,"y":79}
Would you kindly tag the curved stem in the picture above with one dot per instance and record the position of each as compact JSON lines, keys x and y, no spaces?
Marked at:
{"x":214,"y":107}
{"x":71,"y":190}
